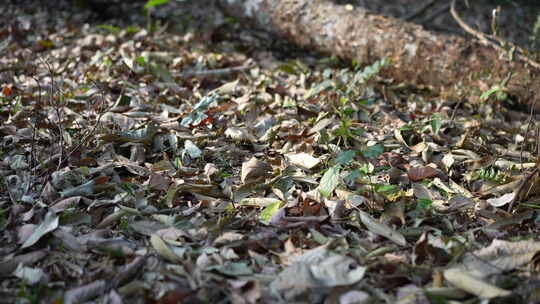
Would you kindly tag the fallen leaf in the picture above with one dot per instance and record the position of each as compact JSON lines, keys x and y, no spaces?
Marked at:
{"x":49,"y":224}
{"x":381,"y":229}
{"x":417,"y":174}
{"x":303,"y":160}
{"x":465,"y":281}
{"x":254,"y":170}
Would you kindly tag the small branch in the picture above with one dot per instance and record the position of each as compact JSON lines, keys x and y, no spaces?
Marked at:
{"x":522,"y":188}
{"x":216,"y":72}
{"x":443,"y":9}
{"x":491,"y":40}
{"x":529,"y":124}
{"x":419,"y":11}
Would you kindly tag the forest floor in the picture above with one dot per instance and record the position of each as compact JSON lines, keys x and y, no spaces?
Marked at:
{"x":154,"y":161}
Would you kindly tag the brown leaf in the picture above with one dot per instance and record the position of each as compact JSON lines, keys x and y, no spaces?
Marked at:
{"x":419,"y":173}
{"x":255,"y":169}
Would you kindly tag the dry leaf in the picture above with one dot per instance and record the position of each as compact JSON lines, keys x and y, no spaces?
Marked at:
{"x":254,"y":170}
{"x":465,"y":281}
{"x":381,"y":229}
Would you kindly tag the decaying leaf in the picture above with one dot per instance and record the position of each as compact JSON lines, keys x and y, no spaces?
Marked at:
{"x":315,"y":269}
{"x":303,"y":160}
{"x":254,"y":170}
{"x":200,"y":165}
{"x":501,"y":201}
{"x":382,"y":229}
{"x":467,"y":282}
{"x":163,"y":249}
{"x":49,"y":224}
{"x":500,"y":256}
{"x":240,"y":134}
{"x":419,"y":173}
{"x":30,"y":275}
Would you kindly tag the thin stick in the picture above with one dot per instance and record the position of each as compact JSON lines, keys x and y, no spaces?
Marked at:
{"x":491,"y":40}
{"x":521,"y":189}
{"x":216,"y":72}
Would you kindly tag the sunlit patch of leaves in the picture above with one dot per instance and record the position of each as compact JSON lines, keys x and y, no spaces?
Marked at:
{"x":277,"y":217}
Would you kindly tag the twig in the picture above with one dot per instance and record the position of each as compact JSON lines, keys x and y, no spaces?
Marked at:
{"x":521,"y":189}
{"x":97,"y":123}
{"x":537,"y":146}
{"x":443,"y":9}
{"x":454,"y":111}
{"x":58,"y":110}
{"x":491,"y":40}
{"x":529,"y":124}
{"x":419,"y":11}
{"x":33,"y":157}
{"x":216,"y":72}
{"x":513,"y":153}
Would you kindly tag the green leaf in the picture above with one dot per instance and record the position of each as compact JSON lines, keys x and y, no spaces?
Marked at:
{"x":345,"y":157}
{"x":351,"y":177}
{"x":423,"y":203}
{"x":287,"y":68}
{"x":140,"y":60}
{"x":110,"y":28}
{"x":132,"y":29}
{"x":268,"y":211}
{"x":319,"y":88}
{"x":152,"y":3}
{"x":386,"y":189}
{"x":369,"y":71}
{"x":373,"y":151}
{"x":493,"y":90}
{"x":197,"y":114}
{"x":436,"y":123}
{"x":436,"y":299}
{"x":329,"y":181}
{"x":366,"y":169}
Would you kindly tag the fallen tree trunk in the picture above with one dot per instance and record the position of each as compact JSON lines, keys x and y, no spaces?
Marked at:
{"x":448,"y":64}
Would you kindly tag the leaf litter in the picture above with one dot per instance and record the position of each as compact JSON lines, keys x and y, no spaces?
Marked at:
{"x":149,"y":165}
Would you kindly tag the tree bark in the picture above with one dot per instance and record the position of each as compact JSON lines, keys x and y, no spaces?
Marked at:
{"x":450,"y":65}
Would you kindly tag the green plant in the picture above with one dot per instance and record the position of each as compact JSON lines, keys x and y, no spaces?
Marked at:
{"x":344,"y":162}
{"x":123,"y":225}
{"x":499,"y":91}
{"x":70,"y":209}
{"x":423,"y":204}
{"x":491,"y":174}
{"x":346,"y":130}
{"x":535,"y":31}
{"x":129,"y":188}
{"x":330,"y":180}
{"x":31,"y":294}
{"x":341,"y":89}
{"x":150,"y":4}
{"x":16,"y":105}
{"x":110,"y":28}
{"x":436,"y":123}
{"x":3,"y":218}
